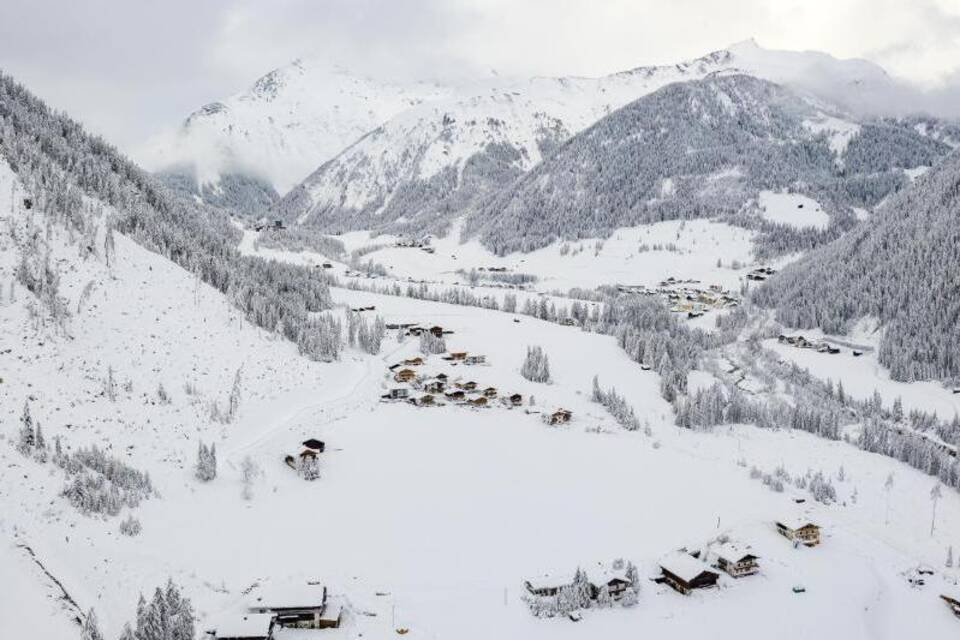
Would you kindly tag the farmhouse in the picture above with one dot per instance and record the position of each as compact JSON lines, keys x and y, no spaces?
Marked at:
{"x":685,"y":573}
{"x":736,"y":560}
{"x":456,"y":395}
{"x":516,"y":399}
{"x":478,"y":402}
{"x":252,"y":626}
{"x":490,"y":392}
{"x":405,"y":375}
{"x":467,"y":386}
{"x":413,"y":362}
{"x":953,"y":603}
{"x":799,"y":530}
{"x":475,"y":359}
{"x":457,"y":355}
{"x":426,"y":400}
{"x":299,"y":606}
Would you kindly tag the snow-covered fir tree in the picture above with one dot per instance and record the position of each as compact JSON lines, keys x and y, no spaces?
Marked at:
{"x":536,"y":365}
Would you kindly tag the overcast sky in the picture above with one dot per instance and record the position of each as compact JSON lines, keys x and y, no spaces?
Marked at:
{"x":129,"y":68}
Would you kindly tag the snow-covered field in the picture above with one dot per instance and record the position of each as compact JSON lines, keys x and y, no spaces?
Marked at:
{"x":793,"y":209}
{"x":441,"y":511}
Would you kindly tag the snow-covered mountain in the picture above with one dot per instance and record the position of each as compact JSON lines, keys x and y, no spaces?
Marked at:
{"x":287,"y":123}
{"x":299,"y":117}
{"x":702,"y":148}
{"x":446,"y":156}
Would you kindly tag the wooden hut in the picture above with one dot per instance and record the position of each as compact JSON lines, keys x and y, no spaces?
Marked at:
{"x":799,"y":530}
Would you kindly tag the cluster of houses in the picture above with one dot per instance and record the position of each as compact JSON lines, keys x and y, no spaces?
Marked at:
{"x":415,"y":330}
{"x":687,"y":296}
{"x":264,"y":224}
{"x":801,"y":342}
{"x":760,"y":274}
{"x":425,"y":390}
{"x":684,"y":570}
{"x":305,"y":606}
{"x":918,"y":576}
{"x":412,"y":242}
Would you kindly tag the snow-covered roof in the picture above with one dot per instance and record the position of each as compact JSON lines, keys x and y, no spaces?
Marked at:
{"x":251,"y":625}
{"x":333,"y":609}
{"x":683,"y":565}
{"x":797,"y":522}
{"x":550,"y":580}
{"x":733,"y":552}
{"x":604,"y":573}
{"x":289,"y":596}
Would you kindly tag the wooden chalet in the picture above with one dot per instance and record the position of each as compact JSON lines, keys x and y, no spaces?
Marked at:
{"x":413,"y":362}
{"x":457,"y":355}
{"x":475,"y":359}
{"x":467,"y":386}
{"x":490,"y":392}
{"x":953,"y":603}
{"x":405,"y":375}
{"x":613,"y":578}
{"x":442,"y":377}
{"x":296,"y":606}
{"x":252,"y":626}
{"x":736,"y":560}
{"x":456,"y":395}
{"x":560,"y":416}
{"x":516,"y":399}
{"x":478,"y":402}
{"x":799,"y":530}
{"x":685,"y":573}
{"x":331,"y":615}
{"x":437,"y":331}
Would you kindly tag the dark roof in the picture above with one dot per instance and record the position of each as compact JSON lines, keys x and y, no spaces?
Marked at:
{"x":313,"y":443}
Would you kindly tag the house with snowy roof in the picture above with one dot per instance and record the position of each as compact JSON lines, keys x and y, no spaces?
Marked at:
{"x":799,"y":530}
{"x":614,"y":577}
{"x":293,"y":605}
{"x":736,"y":560}
{"x":548,"y":584}
{"x":685,"y":573}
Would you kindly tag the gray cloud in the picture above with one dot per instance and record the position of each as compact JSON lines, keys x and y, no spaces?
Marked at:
{"x":128,"y":69}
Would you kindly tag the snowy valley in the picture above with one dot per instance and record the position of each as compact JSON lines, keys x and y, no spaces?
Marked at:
{"x":485,"y":413}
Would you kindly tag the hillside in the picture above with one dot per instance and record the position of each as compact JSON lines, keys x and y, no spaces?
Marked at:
{"x":704,"y":148}
{"x":899,"y":268}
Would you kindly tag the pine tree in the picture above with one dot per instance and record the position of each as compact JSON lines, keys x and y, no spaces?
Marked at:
{"x":127,"y":633}
{"x":949,"y":562}
{"x":27,"y":437}
{"x":40,"y":445}
{"x":90,"y":629}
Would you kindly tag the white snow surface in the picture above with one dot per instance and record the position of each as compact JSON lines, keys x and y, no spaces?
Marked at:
{"x":793,"y":209}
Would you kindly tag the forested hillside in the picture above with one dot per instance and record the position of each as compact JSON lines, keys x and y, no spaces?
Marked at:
{"x":701,"y":149}
{"x":900,"y":267}
{"x":61,"y":164}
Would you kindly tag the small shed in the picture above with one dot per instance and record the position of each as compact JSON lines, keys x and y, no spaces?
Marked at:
{"x":332,"y":614}
{"x":685,"y":573}
{"x":799,"y":530}
{"x":437,"y":331}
